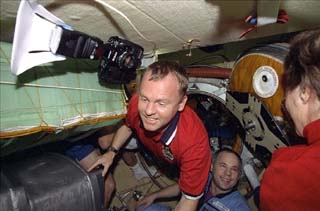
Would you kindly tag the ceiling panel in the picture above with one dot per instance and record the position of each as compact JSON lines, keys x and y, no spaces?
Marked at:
{"x":168,"y":23}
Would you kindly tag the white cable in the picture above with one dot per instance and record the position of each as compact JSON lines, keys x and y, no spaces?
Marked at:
{"x":129,"y":21}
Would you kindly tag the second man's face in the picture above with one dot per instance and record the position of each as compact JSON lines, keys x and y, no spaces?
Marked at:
{"x":159,"y":101}
{"x":226,"y":172}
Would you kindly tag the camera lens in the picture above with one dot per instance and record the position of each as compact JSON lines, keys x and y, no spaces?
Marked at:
{"x":126,"y":60}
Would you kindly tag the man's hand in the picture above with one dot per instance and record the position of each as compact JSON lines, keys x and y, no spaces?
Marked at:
{"x":106,"y":160}
{"x":146,"y":201}
{"x":119,"y":138}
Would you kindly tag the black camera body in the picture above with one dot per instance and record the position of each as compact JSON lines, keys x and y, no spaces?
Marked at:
{"x":120,"y":60}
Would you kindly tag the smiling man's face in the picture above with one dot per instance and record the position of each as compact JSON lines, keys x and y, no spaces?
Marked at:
{"x":226,"y":172}
{"x":159,"y":101}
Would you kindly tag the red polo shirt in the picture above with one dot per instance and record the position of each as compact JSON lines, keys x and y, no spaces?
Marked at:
{"x":190,"y":148}
{"x":292,"y":179}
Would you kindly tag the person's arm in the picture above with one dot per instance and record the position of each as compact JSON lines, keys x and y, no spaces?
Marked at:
{"x":186,"y":204}
{"x":120,"y":137}
{"x":170,"y":191}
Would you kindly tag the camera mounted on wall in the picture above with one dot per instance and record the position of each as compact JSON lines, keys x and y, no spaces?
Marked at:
{"x":40,"y":37}
{"x":119,"y":58}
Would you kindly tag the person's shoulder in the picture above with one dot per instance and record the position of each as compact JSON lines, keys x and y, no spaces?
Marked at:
{"x":239,"y":202}
{"x":291,"y":153}
{"x":234,"y":201}
{"x":132,"y":113}
{"x":237,"y":194}
{"x":192,"y":125}
{"x":189,"y":115}
{"x":189,"y":111}
{"x":133,"y":103}
{"x":134,"y":98}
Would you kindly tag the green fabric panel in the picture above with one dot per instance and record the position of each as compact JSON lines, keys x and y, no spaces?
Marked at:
{"x":54,"y":94}
{"x":18,"y":144}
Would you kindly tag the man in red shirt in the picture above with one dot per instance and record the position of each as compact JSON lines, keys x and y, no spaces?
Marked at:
{"x":292,"y":179}
{"x":167,"y":127}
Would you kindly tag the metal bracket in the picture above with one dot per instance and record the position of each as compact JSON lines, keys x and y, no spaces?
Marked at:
{"x":262,"y":133}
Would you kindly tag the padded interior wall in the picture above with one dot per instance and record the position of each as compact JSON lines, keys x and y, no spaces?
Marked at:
{"x":58,"y":100}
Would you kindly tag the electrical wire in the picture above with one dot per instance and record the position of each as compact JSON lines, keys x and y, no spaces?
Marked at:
{"x":129,"y":21}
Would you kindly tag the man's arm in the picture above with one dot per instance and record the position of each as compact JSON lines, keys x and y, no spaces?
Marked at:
{"x":170,"y":191}
{"x":186,"y":204}
{"x":120,"y":137}
{"x":183,"y":205}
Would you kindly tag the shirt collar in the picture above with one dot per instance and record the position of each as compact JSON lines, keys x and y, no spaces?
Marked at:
{"x":221,"y":195}
{"x":311,"y":132}
{"x":171,"y":130}
{"x":168,"y":134}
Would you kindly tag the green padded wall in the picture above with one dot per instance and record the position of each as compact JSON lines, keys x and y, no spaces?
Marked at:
{"x":53,"y":101}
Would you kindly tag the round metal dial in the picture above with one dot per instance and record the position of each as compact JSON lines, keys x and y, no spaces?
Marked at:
{"x":265,"y":81}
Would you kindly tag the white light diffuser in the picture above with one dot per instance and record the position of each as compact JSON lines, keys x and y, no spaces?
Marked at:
{"x":35,"y":34}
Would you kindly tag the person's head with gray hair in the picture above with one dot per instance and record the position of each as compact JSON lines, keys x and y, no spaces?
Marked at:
{"x":227,"y":169}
